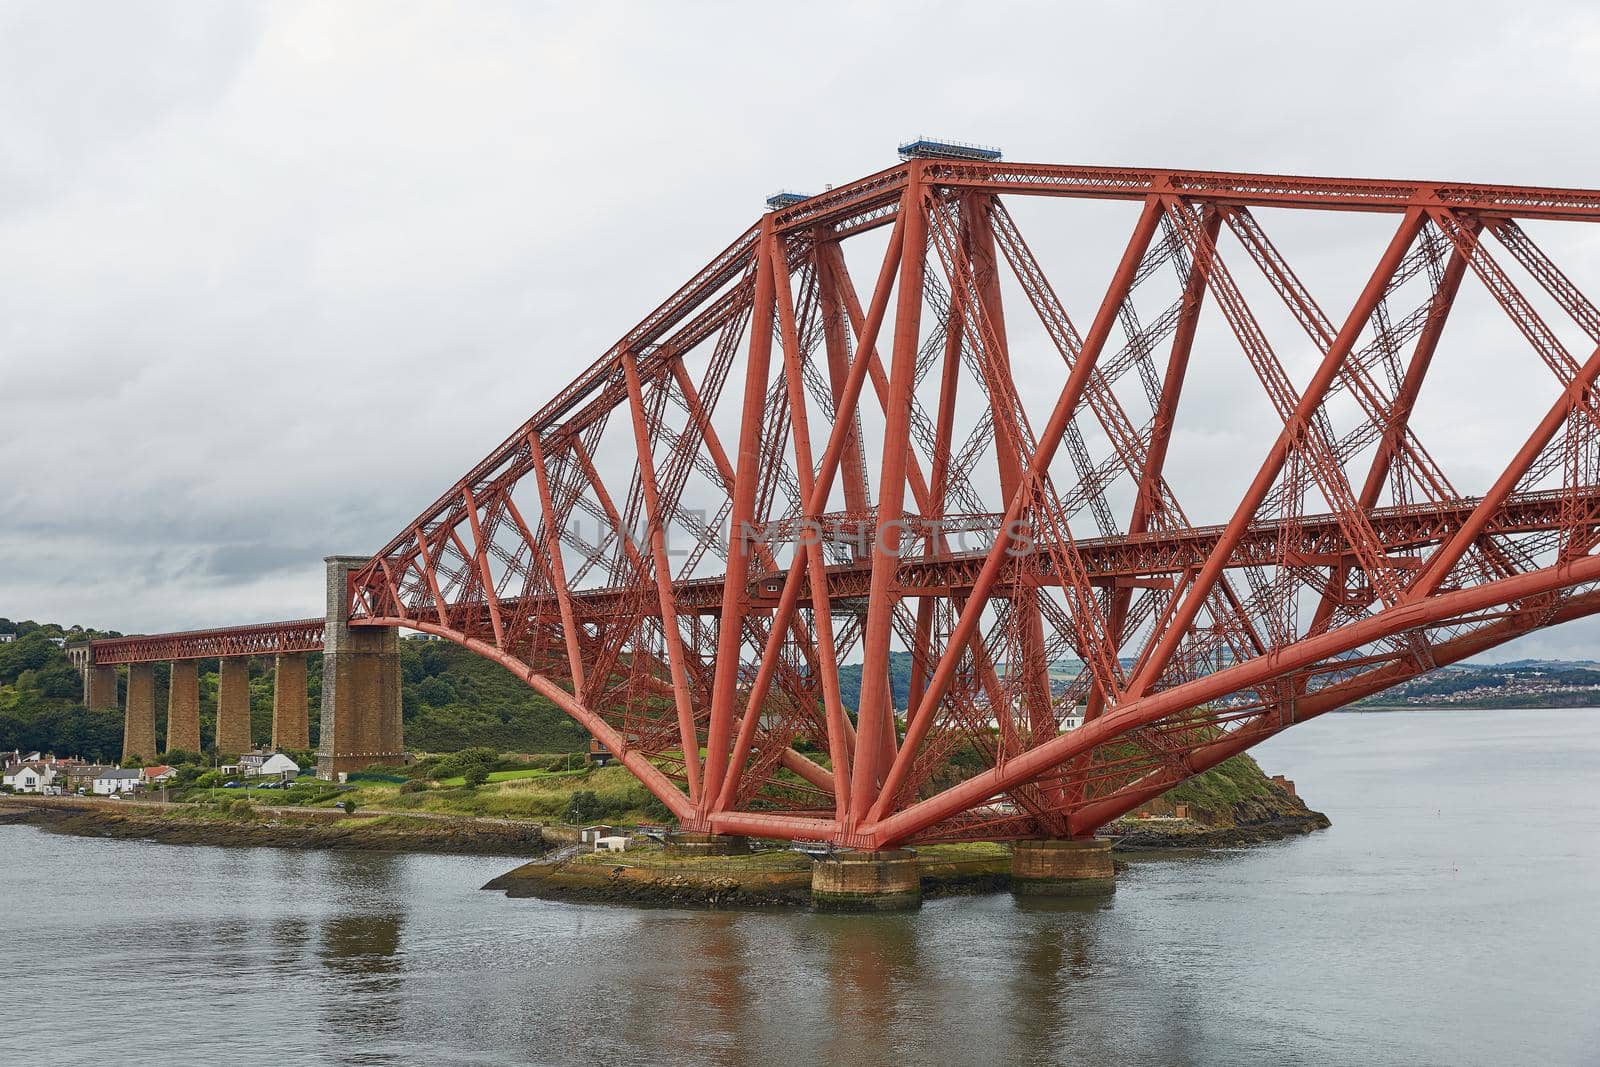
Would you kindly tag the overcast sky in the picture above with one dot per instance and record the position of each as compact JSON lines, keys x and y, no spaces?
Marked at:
{"x":271,"y":277}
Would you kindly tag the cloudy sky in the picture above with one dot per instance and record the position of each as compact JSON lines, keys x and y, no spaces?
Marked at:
{"x":273,"y":276}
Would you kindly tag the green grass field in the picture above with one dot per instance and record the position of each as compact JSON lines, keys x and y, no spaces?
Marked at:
{"x":508,"y":776}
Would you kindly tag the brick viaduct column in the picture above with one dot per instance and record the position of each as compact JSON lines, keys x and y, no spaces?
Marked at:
{"x":183,"y":706}
{"x":360,"y":684}
{"x":139,"y":721}
{"x":100,"y":687}
{"x":291,"y":728}
{"x":233,"y":705}
{"x":99,"y":682}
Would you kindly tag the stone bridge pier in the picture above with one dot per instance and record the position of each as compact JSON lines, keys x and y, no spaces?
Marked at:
{"x":183,"y":706}
{"x":360,"y":684}
{"x":233,"y":705}
{"x":290,"y":726}
{"x":139,"y":720}
{"x":99,"y":680}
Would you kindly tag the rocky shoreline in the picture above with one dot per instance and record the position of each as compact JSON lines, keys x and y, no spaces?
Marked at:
{"x":282,"y":828}
{"x":1252,"y":821}
{"x":559,"y":870}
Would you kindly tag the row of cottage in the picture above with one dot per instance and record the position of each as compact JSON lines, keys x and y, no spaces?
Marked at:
{"x":50,"y":776}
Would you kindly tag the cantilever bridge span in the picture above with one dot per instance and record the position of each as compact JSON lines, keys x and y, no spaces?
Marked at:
{"x":779,"y":480}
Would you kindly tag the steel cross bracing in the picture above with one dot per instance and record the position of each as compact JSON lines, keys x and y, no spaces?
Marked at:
{"x":822,"y":458}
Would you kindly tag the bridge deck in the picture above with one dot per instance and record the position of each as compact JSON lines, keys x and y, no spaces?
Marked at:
{"x":1110,"y":560}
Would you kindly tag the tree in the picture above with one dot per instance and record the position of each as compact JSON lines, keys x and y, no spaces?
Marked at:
{"x":476,"y":775}
{"x":60,"y":681}
{"x":584,"y":806}
{"x":28,"y":653}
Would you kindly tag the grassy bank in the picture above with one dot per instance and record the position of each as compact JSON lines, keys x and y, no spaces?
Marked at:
{"x":546,"y":789}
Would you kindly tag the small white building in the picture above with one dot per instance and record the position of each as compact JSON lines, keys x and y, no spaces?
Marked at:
{"x":6,"y":639}
{"x":29,"y":779}
{"x":611,"y":844}
{"x":117,"y":780}
{"x":159,"y":775}
{"x":268,"y":765}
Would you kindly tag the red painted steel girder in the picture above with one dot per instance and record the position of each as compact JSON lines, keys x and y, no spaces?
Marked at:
{"x":261,"y":639}
{"x":631,"y":550}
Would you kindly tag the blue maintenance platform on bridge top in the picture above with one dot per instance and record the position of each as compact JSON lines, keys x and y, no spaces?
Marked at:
{"x":784,"y":199}
{"x":929,"y":148}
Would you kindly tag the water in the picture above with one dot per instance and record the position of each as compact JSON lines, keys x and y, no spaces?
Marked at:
{"x":1448,"y":917}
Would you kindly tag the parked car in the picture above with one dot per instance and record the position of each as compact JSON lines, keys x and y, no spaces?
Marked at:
{"x":230,"y":785}
{"x":114,"y":796}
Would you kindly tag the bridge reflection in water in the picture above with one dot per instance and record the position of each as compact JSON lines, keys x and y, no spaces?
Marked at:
{"x":1342,"y":947}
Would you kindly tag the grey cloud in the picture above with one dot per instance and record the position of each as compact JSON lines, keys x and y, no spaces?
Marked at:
{"x":272,"y":276}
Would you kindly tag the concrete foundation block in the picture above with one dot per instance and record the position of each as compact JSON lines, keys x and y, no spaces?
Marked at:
{"x":691,"y":844}
{"x":1062,"y":868}
{"x":867,"y":881}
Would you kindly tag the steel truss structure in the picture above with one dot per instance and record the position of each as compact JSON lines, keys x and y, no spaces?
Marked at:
{"x":708,"y":548}
{"x":259,"y":639}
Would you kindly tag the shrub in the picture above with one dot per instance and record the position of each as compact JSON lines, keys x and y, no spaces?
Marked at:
{"x":375,"y":774}
{"x":584,"y":806}
{"x":476,"y":774}
{"x":239,"y":808}
{"x":459,"y":762}
{"x":414,"y":787}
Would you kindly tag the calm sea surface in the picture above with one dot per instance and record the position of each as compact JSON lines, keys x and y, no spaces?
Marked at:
{"x":1450,"y":916}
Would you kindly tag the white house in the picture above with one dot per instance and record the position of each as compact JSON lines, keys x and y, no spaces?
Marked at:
{"x":158,"y":775}
{"x":6,"y":639}
{"x":117,"y":780}
{"x":26,"y":779}
{"x":275,"y":765}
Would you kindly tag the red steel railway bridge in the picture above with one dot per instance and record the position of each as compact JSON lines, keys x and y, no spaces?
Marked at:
{"x":870,"y":430}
